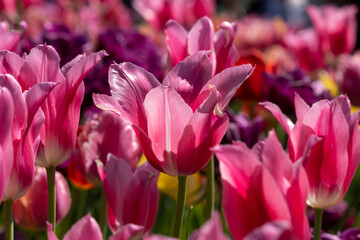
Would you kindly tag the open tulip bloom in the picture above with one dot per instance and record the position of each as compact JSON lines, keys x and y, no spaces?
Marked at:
{"x":262,"y":185}
{"x":178,"y":121}
{"x":333,"y":132}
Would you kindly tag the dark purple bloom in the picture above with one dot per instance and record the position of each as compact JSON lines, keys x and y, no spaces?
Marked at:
{"x":351,"y":234}
{"x":348,"y":77}
{"x":241,"y":128}
{"x":67,"y":43}
{"x":282,"y":89}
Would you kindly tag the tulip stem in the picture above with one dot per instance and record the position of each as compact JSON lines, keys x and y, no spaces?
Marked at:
{"x":210,"y":178}
{"x":103,"y":213}
{"x":180,"y":206}
{"x":50,"y":173}
{"x":9,"y":223}
{"x":317,"y":225}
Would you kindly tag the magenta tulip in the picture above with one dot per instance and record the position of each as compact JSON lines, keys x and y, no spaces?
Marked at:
{"x":25,"y":133}
{"x":6,"y":146}
{"x":85,"y":228}
{"x":31,"y":210}
{"x":62,"y":107}
{"x":275,"y":230}
{"x":335,"y":26}
{"x":333,"y":133}
{"x":105,"y":133}
{"x":212,"y":229}
{"x":181,"y":43}
{"x":261,"y":185}
{"x":10,"y":38}
{"x":306,"y":46}
{"x":157,"y":13}
{"x":132,"y":197}
{"x":177,"y":122}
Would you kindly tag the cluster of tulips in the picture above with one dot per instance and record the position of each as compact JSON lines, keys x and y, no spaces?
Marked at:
{"x":188,"y":125}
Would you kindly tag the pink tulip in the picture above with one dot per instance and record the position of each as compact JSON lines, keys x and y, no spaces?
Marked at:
{"x":178,"y":121}
{"x":62,"y":107}
{"x":333,"y":133}
{"x":181,"y":43}
{"x":10,"y":38}
{"x":306,"y":46}
{"x":85,"y":228}
{"x":25,"y":133}
{"x":105,"y":133}
{"x":6,"y":146}
{"x":275,"y":230}
{"x":336,"y":27}
{"x":261,"y":185}
{"x":157,"y":13}
{"x":212,"y":229}
{"x":132,"y":231}
{"x":132,"y":197}
{"x":31,"y":210}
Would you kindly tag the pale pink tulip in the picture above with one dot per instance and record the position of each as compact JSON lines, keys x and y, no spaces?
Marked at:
{"x":132,"y":197}
{"x":86,"y":228}
{"x":6,"y":146}
{"x":62,"y":106}
{"x":181,"y":43}
{"x":333,"y":133}
{"x":261,"y":185}
{"x":335,"y":26}
{"x":31,"y":210}
{"x":178,"y":121}
{"x":102,"y":134}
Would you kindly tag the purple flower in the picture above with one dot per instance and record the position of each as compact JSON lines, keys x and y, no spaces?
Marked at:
{"x":282,"y":89}
{"x":241,"y":128}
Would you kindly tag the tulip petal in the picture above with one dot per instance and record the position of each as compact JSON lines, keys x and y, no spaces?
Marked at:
{"x":6,"y":146}
{"x":118,"y":176}
{"x":129,"y":85}
{"x":203,"y":130}
{"x":20,"y":117}
{"x":85,"y":228}
{"x":142,"y":197}
{"x":282,"y":118}
{"x":212,"y":229}
{"x":190,"y":76}
{"x":227,"y":82}
{"x":167,"y":115}
{"x":127,"y":232}
{"x":106,"y":102}
{"x":10,"y":63}
{"x":301,"y":107}
{"x":200,"y":36}
{"x":251,"y":197}
{"x":176,"y":39}
{"x":274,"y":230}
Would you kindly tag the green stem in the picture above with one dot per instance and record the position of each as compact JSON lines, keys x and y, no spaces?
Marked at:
{"x":180,"y":206}
{"x":210,"y":178}
{"x":9,"y":223}
{"x":81,"y":204}
{"x":50,"y":172}
{"x":103,"y":213}
{"x":317,"y":225}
